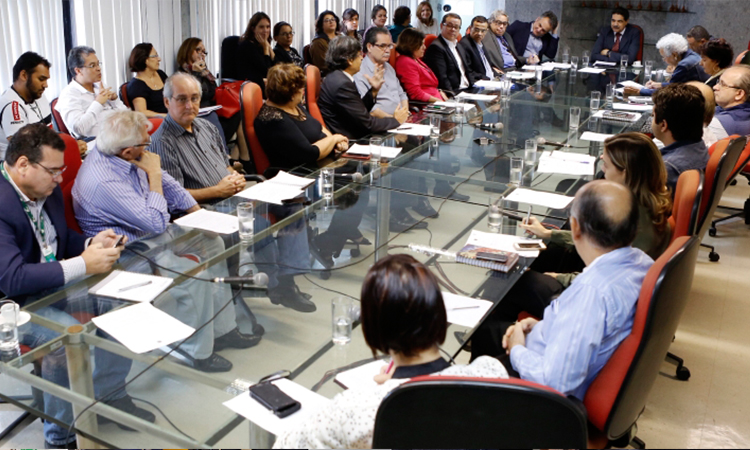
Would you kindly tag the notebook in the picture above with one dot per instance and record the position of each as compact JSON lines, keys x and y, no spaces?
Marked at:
{"x":468,"y":255}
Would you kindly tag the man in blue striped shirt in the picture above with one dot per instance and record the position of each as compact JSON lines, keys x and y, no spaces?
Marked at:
{"x":585,"y":325}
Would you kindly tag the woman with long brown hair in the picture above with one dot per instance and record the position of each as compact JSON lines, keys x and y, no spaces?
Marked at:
{"x":426,"y":21}
{"x":255,"y":52}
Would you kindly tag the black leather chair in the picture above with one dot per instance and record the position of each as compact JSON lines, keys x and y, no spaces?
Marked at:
{"x":461,"y":412}
{"x":229,"y":68}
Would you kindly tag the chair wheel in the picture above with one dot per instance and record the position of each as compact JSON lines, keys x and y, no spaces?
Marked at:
{"x":683,"y":373}
{"x":258,"y":329}
{"x":325,"y":274}
{"x":354,"y":253}
{"x":712,"y":232}
{"x":713,"y":257}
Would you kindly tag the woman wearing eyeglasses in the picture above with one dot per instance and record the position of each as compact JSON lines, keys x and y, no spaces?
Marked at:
{"x":191,"y":58}
{"x":283,"y":34}
{"x":145,"y":91}
{"x":326,"y":28}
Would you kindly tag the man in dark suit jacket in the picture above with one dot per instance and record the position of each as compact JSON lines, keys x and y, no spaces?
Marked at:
{"x":449,"y":61}
{"x":479,"y":64}
{"x":534,"y":40}
{"x":617,"y":39}
{"x":499,"y":46}
{"x":343,"y":110}
{"x":39,"y":252}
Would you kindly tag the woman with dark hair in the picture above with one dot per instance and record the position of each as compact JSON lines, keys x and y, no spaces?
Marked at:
{"x":145,"y":91}
{"x":419,"y":81}
{"x":191,"y":58}
{"x":426,"y":22}
{"x":716,"y":56}
{"x":404,"y":316}
{"x":401,"y":21}
{"x":283,"y":34}
{"x":378,"y":18}
{"x":255,"y":55}
{"x":326,"y":28}
{"x":350,"y":23}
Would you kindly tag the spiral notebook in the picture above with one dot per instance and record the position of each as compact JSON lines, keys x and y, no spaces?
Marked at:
{"x":468,"y":255}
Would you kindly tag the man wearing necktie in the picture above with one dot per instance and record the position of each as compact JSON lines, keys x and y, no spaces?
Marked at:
{"x":478,"y":60}
{"x":618,"y":39}
{"x":498,"y":45}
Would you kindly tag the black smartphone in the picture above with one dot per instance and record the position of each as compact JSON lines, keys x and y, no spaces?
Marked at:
{"x":120,"y":240}
{"x":496,"y":257}
{"x":273,"y":398}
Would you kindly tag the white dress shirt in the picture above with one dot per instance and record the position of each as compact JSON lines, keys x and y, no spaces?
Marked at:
{"x":80,"y":111}
{"x":452,"y":46}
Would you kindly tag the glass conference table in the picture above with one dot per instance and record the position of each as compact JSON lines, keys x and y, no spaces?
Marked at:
{"x":188,"y":402}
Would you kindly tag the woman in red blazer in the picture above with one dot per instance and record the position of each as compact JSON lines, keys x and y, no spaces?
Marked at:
{"x":418,"y":80}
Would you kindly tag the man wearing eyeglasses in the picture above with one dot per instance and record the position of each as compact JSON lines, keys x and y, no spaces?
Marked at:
{"x":391,"y":97}
{"x":535,"y":40}
{"x":448,"y":61}
{"x":498,"y":45}
{"x":83,"y":102}
{"x":39,"y":253}
{"x":479,"y":64}
{"x":733,"y":107}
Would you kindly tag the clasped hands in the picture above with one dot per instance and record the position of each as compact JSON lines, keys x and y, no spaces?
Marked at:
{"x":516,"y":333}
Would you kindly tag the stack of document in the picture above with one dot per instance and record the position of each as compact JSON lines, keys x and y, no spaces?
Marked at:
{"x":594,"y":137}
{"x":479,"y":97}
{"x":489,"y":84}
{"x":385,"y":152}
{"x":566,"y":163}
{"x":213,"y":221}
{"x":283,"y":186}
{"x":607,"y":115}
{"x":131,"y":286}
{"x":208,"y":110}
{"x":502,"y":242}
{"x":520,"y":75}
{"x":633,"y":84}
{"x":412,"y":129}
{"x":546,"y":199}
{"x":629,"y":107}
{"x":454,"y":104}
{"x":592,"y":70}
{"x":605,"y":63}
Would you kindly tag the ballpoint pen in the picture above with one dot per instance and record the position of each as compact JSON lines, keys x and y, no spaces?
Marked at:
{"x":135,"y":286}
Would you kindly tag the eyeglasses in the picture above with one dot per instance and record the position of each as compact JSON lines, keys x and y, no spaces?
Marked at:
{"x":53,"y":172}
{"x":288,"y":34}
{"x":477,"y":30}
{"x":201,"y":50}
{"x":94,"y":65}
{"x":384,"y":47}
{"x":184,"y":100}
{"x":722,"y":84}
{"x":501,"y":24}
{"x":143,"y":145}
{"x":153,"y":56}
{"x":329,"y":21}
{"x":452,"y":26}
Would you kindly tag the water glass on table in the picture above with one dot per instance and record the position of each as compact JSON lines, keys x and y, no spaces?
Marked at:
{"x":529,"y":154}
{"x":460,"y":109}
{"x":246,"y":220}
{"x":623,"y":60}
{"x":495,"y":214}
{"x":566,"y":55}
{"x":516,"y":170}
{"x":585,"y":60}
{"x":610,"y":94}
{"x":434,"y":126}
{"x":341,"y":320}
{"x":573,"y":63}
{"x":595,"y":101}
{"x":575,"y":116}
{"x":376,"y":149}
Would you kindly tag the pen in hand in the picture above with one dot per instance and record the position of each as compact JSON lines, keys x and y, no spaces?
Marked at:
{"x":135,"y":286}
{"x":463,"y":307}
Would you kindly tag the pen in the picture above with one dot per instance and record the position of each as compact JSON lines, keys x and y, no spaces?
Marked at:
{"x":404,"y":129}
{"x":390,"y":366}
{"x":464,"y":307}
{"x":528,"y":215}
{"x":145,"y":283}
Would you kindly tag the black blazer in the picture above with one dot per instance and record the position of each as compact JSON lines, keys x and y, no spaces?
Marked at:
{"x":252,"y":64}
{"x":495,"y":55}
{"x":521,"y":31}
{"x":345,"y":112}
{"x":475,"y":59}
{"x":439,"y":58}
{"x":630,"y":43}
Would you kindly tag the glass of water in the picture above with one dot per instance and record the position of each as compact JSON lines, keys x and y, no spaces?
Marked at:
{"x":529,"y":154}
{"x":460,"y":109}
{"x":647,"y":71}
{"x":516,"y":170}
{"x":495,"y":214}
{"x":610,"y":94}
{"x":585,"y":59}
{"x":326,"y":183}
{"x":575,"y":116}
{"x":538,"y":71}
{"x":573,"y":63}
{"x":434,"y":126}
{"x":341,"y":320}
{"x":246,"y":220}
{"x":623,"y":60}
{"x":376,"y":149}
{"x":566,"y":55}
{"x":596,"y":98}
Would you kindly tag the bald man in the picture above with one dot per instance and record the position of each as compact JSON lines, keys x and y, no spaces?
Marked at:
{"x":583,"y":327}
{"x":709,"y":121}
{"x":732,"y":94}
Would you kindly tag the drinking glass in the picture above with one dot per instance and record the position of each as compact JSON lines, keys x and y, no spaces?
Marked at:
{"x":538,"y":71}
{"x":9,"y":327}
{"x":434,"y":126}
{"x":623,"y":60}
{"x":574,"y":63}
{"x":516,"y":170}
{"x":376,"y":149}
{"x":246,"y":220}
{"x":341,"y":320}
{"x":575,"y":116}
{"x":566,"y":55}
{"x":460,"y":109}
{"x":596,"y":98}
{"x":529,"y":154}
{"x":585,"y":59}
{"x":610,"y":94}
{"x":326,"y":183}
{"x":495,"y":214}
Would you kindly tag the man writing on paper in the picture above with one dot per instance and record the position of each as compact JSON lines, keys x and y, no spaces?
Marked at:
{"x":122,"y":186}
{"x":535,"y":40}
{"x":39,"y":253}
{"x":585,"y":325}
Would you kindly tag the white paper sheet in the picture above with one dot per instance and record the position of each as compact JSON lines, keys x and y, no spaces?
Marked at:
{"x":250,"y":409}
{"x":208,"y":110}
{"x":489,"y":84}
{"x":118,"y":279}
{"x":142,"y":328}
{"x":520,"y":75}
{"x":466,"y":106}
{"x":555,"y":65}
{"x":204,"y":219}
{"x":554,"y":201}
{"x":594,"y":137}
{"x":605,"y":63}
{"x":636,"y":118}
{"x":362,"y":376}
{"x":591,"y":70}
{"x":465,"y":311}
{"x":385,"y":152}
{"x":566,"y":163}
{"x":267,"y":192}
{"x":633,"y":84}
{"x":503,"y":242}
{"x":412,"y":129}
{"x":531,"y":67}
{"x":291,"y":180}
{"x":629,"y":107}
{"x":479,"y":97}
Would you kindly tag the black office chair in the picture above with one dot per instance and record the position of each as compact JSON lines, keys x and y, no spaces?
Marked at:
{"x":229,"y":68}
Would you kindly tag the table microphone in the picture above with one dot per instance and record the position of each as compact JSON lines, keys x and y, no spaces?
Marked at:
{"x":259,"y":279}
{"x":542,"y":141}
{"x":355,"y":177}
{"x":492,"y":126}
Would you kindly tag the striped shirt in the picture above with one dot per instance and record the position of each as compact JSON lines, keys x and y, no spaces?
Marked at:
{"x":113,"y":193}
{"x":585,"y":325}
{"x":196,"y":160}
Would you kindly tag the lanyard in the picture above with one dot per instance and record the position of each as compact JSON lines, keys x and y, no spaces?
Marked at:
{"x":38,"y":224}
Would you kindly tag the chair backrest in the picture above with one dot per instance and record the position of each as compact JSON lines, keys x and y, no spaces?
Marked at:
{"x":73,"y":160}
{"x":738,"y":59}
{"x":306,"y":54}
{"x":312,"y":92}
{"x":392,"y":59}
{"x":428,"y":39}
{"x":251,"y":101}
{"x":687,"y":201}
{"x":460,"y":412}
{"x":229,"y":57}
{"x":155,"y":124}
{"x":742,"y":162}
{"x":618,"y":395}
{"x":639,"y":56}
{"x":70,"y":214}
{"x":124,"y":95}
{"x":724,"y":157}
{"x":57,"y":118}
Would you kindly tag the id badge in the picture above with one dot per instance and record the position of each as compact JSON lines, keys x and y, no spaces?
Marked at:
{"x":48,"y":254}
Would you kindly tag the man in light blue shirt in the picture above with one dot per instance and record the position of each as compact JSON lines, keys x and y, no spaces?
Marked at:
{"x":391,"y":96}
{"x":585,"y":325}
